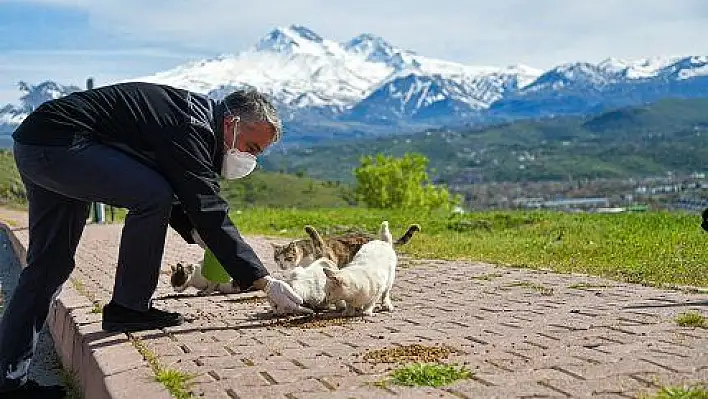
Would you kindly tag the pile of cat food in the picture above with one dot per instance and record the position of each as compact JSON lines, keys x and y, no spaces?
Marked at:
{"x":410,"y":353}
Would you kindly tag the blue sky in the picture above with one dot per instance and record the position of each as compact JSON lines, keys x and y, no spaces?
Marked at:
{"x":68,"y":40}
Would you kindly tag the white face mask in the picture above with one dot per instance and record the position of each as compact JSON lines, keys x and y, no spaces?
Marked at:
{"x":237,"y":164}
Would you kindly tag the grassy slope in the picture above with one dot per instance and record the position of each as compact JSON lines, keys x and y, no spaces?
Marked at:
{"x":265,"y":189}
{"x":653,"y":248}
{"x":11,"y":189}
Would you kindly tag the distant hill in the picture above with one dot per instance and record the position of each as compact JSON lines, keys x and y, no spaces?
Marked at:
{"x":670,"y":135}
{"x":272,"y":189}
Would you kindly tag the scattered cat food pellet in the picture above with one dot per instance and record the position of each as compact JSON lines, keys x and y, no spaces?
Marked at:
{"x":316,"y":321}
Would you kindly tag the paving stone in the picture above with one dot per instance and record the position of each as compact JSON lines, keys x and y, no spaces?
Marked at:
{"x":614,"y":342}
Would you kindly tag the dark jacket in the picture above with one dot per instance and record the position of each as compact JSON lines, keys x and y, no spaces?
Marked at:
{"x":174,"y":131}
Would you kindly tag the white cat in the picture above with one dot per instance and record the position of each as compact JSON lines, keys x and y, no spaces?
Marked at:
{"x":367,"y":279}
{"x":309,"y":280}
{"x":183,"y":277}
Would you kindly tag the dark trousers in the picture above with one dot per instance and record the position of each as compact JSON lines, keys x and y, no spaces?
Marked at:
{"x":60,"y":183}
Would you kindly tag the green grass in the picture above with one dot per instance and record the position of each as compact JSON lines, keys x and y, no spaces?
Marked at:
{"x":97,"y":307}
{"x":653,"y":248}
{"x":176,"y":382}
{"x":427,"y":374}
{"x":11,"y":188}
{"x":692,"y":319}
{"x":676,"y":392}
{"x":70,"y":380}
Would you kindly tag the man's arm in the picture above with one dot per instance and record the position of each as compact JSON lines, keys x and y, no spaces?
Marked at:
{"x":180,"y":222}
{"x":186,"y":163}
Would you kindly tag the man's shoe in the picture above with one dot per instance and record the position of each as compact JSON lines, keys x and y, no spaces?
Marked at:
{"x":117,"y":318}
{"x":32,"y":390}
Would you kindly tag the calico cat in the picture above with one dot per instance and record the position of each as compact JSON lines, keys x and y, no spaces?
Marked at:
{"x":341,"y":248}
{"x":309,"y":280}
{"x":183,"y":277}
{"x":367,"y":279}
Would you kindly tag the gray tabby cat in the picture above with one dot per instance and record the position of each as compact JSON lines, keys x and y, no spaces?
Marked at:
{"x":183,"y":277}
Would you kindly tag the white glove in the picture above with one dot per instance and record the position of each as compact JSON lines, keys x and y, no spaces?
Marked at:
{"x":198,"y":239}
{"x":283,"y":298}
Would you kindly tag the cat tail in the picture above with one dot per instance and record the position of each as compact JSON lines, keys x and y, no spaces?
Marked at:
{"x":408,"y":234}
{"x":385,"y":233}
{"x":317,"y":242}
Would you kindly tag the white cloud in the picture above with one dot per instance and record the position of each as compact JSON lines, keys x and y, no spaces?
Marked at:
{"x":490,"y":32}
{"x":74,"y":66}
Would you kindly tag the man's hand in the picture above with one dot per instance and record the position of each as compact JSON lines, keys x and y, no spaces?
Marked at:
{"x":281,"y":296}
{"x":198,"y":239}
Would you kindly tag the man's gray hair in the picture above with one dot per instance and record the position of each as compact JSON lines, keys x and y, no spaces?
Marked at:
{"x":252,"y":106}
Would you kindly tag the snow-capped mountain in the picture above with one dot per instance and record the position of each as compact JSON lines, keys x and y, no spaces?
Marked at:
{"x":581,"y":88}
{"x":369,"y":86}
{"x":32,"y":97}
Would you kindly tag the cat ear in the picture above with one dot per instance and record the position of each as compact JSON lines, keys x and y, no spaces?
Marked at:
{"x":173,"y":268}
{"x":332,"y":276}
{"x":275,"y":246}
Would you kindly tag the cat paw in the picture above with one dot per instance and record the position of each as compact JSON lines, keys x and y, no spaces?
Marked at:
{"x":368,"y":312}
{"x":388,"y":307}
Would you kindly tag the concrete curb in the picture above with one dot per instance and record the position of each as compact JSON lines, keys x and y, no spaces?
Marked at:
{"x":105,"y":365}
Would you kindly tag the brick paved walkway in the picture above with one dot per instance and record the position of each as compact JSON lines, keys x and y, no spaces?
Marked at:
{"x":524,"y":333}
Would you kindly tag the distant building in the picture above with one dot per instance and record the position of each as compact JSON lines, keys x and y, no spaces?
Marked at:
{"x":566,"y":203}
{"x":691,"y":204}
{"x":534,"y":202}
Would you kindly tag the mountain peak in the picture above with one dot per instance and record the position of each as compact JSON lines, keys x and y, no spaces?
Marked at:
{"x":34,"y":95}
{"x":304,"y":33}
{"x":376,"y":49}
{"x":292,"y":39}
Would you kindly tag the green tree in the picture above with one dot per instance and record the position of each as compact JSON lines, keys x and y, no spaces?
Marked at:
{"x":388,"y":182}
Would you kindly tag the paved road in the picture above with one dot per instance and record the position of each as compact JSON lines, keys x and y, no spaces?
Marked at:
{"x":524,"y":333}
